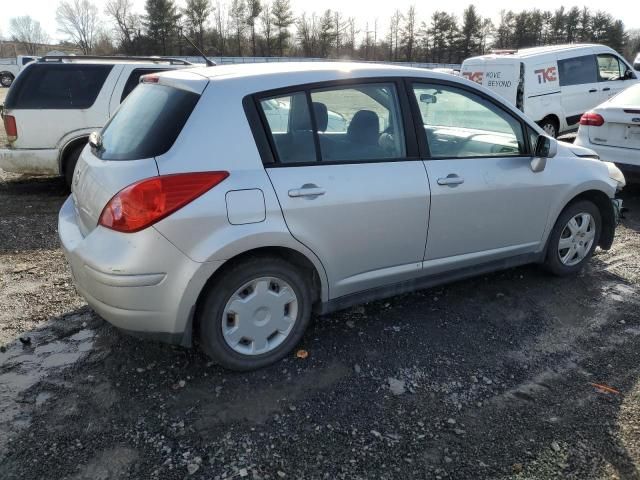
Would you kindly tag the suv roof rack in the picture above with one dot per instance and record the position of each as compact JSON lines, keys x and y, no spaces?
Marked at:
{"x":61,"y":58}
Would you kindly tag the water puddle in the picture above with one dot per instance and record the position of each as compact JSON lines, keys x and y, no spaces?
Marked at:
{"x":25,"y":363}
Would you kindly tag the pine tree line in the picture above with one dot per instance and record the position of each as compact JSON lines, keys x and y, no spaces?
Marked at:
{"x":272,"y":28}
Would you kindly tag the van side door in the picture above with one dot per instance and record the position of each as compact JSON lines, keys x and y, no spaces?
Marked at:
{"x":579,"y":86}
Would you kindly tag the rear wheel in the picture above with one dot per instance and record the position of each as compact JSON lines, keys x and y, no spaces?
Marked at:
{"x":255,"y":313}
{"x":574,"y":238}
{"x":70,"y":163}
{"x":6,"y":79}
{"x":550,"y":126}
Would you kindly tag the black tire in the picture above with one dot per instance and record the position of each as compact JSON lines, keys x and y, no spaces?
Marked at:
{"x":70,"y":162}
{"x":6,"y":79}
{"x":210,"y":314}
{"x":552,"y":261}
{"x":550,"y":126}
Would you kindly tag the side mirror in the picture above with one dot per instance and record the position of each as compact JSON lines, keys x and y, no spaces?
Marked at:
{"x":546,"y":147}
{"x":95,"y":140}
{"x":629,"y":75}
{"x":428,"y":98}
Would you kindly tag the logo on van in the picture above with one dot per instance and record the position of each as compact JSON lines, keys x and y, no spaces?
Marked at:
{"x":545,"y":75}
{"x":474,"y":76}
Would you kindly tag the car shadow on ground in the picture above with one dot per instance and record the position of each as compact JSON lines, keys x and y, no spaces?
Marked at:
{"x":486,"y":378}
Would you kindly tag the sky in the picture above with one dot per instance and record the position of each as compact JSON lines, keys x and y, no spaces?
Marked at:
{"x":363,"y":10}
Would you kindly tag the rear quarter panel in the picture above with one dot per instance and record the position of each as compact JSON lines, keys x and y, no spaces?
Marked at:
{"x":217,"y":136}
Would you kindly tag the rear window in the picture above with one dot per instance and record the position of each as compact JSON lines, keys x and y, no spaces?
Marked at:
{"x":60,"y":86}
{"x":578,"y":70}
{"x":147,"y":123}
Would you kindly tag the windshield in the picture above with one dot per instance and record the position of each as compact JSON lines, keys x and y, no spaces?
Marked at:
{"x":147,"y":123}
{"x":630,"y":97}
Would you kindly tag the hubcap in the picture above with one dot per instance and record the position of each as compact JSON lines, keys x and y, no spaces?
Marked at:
{"x":550,"y":129}
{"x":259,"y":316}
{"x":576,"y":239}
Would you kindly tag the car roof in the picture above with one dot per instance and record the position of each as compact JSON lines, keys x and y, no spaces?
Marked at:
{"x":535,"y":51}
{"x":293,"y":71}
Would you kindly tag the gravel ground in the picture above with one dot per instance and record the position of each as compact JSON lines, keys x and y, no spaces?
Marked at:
{"x":491,"y":377}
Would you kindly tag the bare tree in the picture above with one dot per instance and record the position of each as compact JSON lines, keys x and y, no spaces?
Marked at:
{"x":237,"y":13}
{"x":28,"y":32}
{"x":78,"y":19}
{"x":267,"y":27}
{"x":126,"y":22}
{"x":221,"y":26}
{"x":409,"y":33}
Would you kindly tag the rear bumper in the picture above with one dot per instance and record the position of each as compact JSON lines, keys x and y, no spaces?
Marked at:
{"x":140,"y":282}
{"x":38,"y":162}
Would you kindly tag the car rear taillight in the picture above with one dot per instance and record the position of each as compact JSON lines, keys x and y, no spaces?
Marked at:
{"x":592,"y":119}
{"x":10,"y":127}
{"x":148,"y":201}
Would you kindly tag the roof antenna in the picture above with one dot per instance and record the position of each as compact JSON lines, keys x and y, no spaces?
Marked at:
{"x":206,"y":60}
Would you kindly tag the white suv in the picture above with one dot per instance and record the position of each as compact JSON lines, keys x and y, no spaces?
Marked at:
{"x":56,"y":102}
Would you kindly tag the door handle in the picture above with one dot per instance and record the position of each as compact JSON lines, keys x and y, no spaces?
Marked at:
{"x":606,"y":89}
{"x":452,"y":180}
{"x":593,"y":90}
{"x":307,"y":191}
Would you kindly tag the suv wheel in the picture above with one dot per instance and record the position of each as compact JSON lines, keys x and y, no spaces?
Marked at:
{"x":550,"y":126}
{"x":255,"y":313}
{"x":70,"y":163}
{"x":6,"y":79}
{"x":574,"y":238}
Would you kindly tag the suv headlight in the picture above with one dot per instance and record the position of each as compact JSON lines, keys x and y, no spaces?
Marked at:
{"x":616,"y":174}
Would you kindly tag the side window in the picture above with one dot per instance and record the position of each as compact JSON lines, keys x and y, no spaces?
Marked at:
{"x":60,"y":86}
{"x":358,"y":122}
{"x":461,"y":124}
{"x":610,"y":68}
{"x":290,"y":127}
{"x":134,"y":79}
{"x":577,"y":70}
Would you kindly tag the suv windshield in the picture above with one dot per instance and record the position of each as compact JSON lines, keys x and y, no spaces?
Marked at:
{"x":147,"y":123}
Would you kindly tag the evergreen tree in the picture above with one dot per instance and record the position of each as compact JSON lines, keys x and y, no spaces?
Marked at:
{"x":160,"y":23}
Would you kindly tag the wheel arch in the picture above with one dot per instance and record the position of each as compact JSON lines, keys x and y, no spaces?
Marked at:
{"x":603,"y":202}
{"x":318,"y":283}
{"x":607,"y":215}
{"x":67,"y":148}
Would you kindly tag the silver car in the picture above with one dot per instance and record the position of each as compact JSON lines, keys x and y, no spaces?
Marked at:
{"x":193,"y":217}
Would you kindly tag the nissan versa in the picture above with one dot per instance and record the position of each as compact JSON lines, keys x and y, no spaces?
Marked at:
{"x":197,"y":214}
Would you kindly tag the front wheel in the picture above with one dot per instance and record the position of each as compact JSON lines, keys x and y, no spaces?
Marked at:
{"x":550,"y":126}
{"x":255,"y":313}
{"x":574,"y":238}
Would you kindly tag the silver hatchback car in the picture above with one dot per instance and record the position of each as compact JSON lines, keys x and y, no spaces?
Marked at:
{"x":200,"y":212}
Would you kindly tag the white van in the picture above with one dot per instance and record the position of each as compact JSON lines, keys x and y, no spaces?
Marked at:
{"x":553,"y":85}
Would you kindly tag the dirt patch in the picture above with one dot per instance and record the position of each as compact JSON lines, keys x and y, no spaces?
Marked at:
{"x":499,"y":376}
